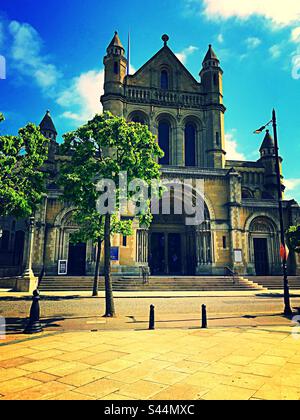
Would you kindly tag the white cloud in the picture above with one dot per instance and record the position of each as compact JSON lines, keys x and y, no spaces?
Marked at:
{"x":275,"y":51}
{"x":279,"y":13}
{"x":220,"y":38}
{"x":82,"y":97}
{"x":183,"y":55}
{"x":232,"y":147}
{"x":292,"y":189}
{"x":253,"y":42}
{"x":295,"y":38}
{"x":295,"y":35}
{"x":27,"y":57}
{"x":296,"y":65}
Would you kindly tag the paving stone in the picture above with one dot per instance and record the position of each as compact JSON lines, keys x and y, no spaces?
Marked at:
{"x":276,"y":392}
{"x":11,"y":373}
{"x":141,"y":390}
{"x":16,"y":385}
{"x":247,"y":381}
{"x":224,"y":392}
{"x":187,"y":367}
{"x":45,"y":355}
{"x":166,"y":377}
{"x":42,"y":377}
{"x":67,"y":368}
{"x":83,"y":377}
{"x":99,"y":389}
{"x":41,"y":365}
{"x":114,"y":366}
{"x":100,"y":358}
{"x":40,"y":392}
{"x":180,"y":392}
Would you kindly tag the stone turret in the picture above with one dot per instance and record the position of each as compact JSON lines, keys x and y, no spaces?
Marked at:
{"x":268,"y":160}
{"x":48,"y":130}
{"x":212,"y":84}
{"x":115,"y":65}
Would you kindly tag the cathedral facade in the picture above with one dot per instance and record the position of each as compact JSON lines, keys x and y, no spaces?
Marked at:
{"x":241,"y":227}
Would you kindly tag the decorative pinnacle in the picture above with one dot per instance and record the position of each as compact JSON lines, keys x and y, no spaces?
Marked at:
{"x":165,"y":39}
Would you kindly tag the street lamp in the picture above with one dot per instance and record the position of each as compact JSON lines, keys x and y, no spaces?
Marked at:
{"x":287,"y":305}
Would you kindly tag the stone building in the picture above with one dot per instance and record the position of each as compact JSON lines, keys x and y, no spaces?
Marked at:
{"x":241,"y":226}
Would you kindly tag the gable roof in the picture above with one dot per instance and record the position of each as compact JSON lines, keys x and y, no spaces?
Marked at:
{"x":167,"y":50}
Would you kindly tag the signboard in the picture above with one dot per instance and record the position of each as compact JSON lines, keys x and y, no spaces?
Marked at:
{"x":62,"y":267}
{"x":238,"y":256}
{"x":114,"y":253}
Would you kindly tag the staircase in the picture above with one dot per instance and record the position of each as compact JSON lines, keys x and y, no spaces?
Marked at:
{"x":276,"y":282}
{"x":163,"y":284}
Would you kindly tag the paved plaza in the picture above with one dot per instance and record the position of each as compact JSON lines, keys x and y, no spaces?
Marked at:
{"x":259,"y":363}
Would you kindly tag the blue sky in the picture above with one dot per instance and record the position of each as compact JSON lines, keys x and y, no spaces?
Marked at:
{"x":54,"y":60}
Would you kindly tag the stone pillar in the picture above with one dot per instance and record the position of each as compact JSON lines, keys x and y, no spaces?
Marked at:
{"x":28,"y":281}
{"x":234,"y":218}
{"x":179,"y":141}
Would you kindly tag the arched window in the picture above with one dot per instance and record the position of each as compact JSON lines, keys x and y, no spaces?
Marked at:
{"x":137,"y":118}
{"x":190,"y":145}
{"x":164,"y":80}
{"x":164,"y":132}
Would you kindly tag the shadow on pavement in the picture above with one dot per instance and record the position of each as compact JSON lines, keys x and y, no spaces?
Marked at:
{"x":17,"y":325}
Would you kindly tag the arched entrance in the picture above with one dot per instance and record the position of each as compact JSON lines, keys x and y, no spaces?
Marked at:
{"x":76,"y":254}
{"x":179,"y":249}
{"x":264,"y":246}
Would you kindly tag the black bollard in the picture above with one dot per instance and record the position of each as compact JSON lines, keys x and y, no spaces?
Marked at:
{"x":152,"y":318}
{"x":34,"y":325}
{"x":204,"y":317}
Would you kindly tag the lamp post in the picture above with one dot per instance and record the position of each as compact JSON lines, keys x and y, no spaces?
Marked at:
{"x":287,"y":305}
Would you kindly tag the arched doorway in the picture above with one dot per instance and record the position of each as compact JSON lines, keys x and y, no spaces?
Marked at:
{"x":75,"y":253}
{"x":176,"y":248}
{"x":263,"y":246}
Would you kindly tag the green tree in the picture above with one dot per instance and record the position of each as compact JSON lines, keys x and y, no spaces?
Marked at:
{"x":293,"y":235}
{"x":22,"y":180}
{"x":103,"y":149}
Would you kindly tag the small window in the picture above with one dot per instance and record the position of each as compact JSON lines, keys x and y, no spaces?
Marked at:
{"x":215,"y":80}
{"x":217,"y":138}
{"x":164,"y":80}
{"x":116,"y":68}
{"x":124,"y":241}
{"x":224,"y":242}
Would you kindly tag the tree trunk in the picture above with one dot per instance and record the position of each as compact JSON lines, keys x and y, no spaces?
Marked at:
{"x":110,"y":307}
{"x":96,"y":278}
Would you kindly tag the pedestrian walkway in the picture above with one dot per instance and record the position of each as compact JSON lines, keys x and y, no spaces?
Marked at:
{"x":6,"y":293}
{"x":260,"y":363}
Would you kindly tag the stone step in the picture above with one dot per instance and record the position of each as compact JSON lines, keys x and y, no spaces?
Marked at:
{"x":158,"y":283}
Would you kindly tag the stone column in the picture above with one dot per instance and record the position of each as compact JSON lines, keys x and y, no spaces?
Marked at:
{"x":28,"y":282}
{"x":179,"y":140}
